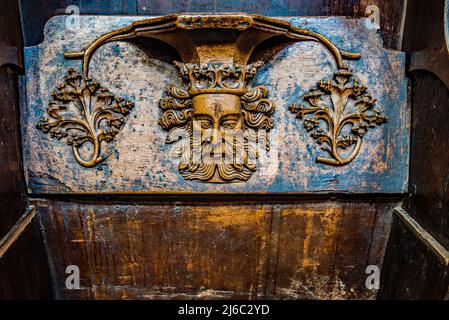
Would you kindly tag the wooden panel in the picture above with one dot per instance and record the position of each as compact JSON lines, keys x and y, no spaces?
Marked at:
{"x":112,"y":7}
{"x":390,"y":11}
{"x":429,"y":202}
{"x":271,"y":8}
{"x":139,"y":161}
{"x":429,"y":175}
{"x":139,"y":250}
{"x":428,"y":18}
{"x":325,"y":248}
{"x":156,"y":251}
{"x":391,"y":15}
{"x":23,"y":269}
{"x":36,"y":13}
{"x":213,"y":250}
{"x":12,"y":188}
{"x":411,"y":269}
{"x":429,"y":46}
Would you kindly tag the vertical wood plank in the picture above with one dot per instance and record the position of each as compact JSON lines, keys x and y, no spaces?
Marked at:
{"x":12,"y":188}
{"x":23,"y":272}
{"x":411,"y":269}
{"x":324,"y":249}
{"x":158,"y":250}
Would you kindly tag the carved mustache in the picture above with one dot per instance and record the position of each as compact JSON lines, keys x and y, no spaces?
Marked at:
{"x":238,"y":162}
{"x":234,"y":165}
{"x":225,"y":150}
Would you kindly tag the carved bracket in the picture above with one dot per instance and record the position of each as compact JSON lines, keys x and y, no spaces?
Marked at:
{"x":216,"y":119}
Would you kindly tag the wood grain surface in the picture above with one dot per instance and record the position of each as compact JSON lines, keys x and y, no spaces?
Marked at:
{"x":139,"y":160}
{"x":313,"y":249}
{"x":412,"y":270}
{"x":23,"y":268}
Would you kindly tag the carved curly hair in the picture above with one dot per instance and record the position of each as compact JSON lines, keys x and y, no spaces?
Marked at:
{"x":257,"y":110}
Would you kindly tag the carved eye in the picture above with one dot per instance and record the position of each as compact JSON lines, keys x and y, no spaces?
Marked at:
{"x":229,"y":124}
{"x":205,"y":123}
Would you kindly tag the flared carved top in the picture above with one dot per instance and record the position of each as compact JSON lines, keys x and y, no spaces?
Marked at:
{"x":203,"y":38}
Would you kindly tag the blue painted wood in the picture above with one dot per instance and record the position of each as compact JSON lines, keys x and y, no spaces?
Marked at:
{"x":139,"y":161}
{"x":35,"y":13}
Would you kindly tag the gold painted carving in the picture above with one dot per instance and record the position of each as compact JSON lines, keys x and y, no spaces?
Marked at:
{"x":82,"y":111}
{"x":217,"y":120}
{"x":338,"y":113}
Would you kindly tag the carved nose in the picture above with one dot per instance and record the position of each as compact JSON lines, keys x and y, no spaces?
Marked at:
{"x":216,"y":137}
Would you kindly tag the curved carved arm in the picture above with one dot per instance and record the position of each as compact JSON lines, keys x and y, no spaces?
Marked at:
{"x":176,"y":29}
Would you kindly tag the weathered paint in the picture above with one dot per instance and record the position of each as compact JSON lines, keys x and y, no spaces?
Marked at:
{"x":139,"y":161}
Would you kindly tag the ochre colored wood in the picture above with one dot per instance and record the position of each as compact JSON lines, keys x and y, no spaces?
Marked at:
{"x":314,"y":249}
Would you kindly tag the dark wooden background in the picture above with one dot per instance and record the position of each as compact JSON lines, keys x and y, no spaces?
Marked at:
{"x":275,"y":246}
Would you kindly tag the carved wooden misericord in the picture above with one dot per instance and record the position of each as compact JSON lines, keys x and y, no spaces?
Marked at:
{"x":216,"y":118}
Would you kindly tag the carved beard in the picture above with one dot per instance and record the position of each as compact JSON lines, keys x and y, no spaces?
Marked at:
{"x":197,"y":165}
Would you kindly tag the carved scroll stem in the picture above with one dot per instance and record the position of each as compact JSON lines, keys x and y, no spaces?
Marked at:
{"x":337,"y":161}
{"x":93,"y":138}
{"x":95,"y":156}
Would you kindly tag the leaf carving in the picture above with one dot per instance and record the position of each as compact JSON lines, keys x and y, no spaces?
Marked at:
{"x":81,"y":110}
{"x":338,"y":113}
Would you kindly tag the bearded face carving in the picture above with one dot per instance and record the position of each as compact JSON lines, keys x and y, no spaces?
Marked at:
{"x":217,"y":121}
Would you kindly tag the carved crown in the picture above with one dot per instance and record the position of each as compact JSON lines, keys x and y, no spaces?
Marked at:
{"x":216,"y":77}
